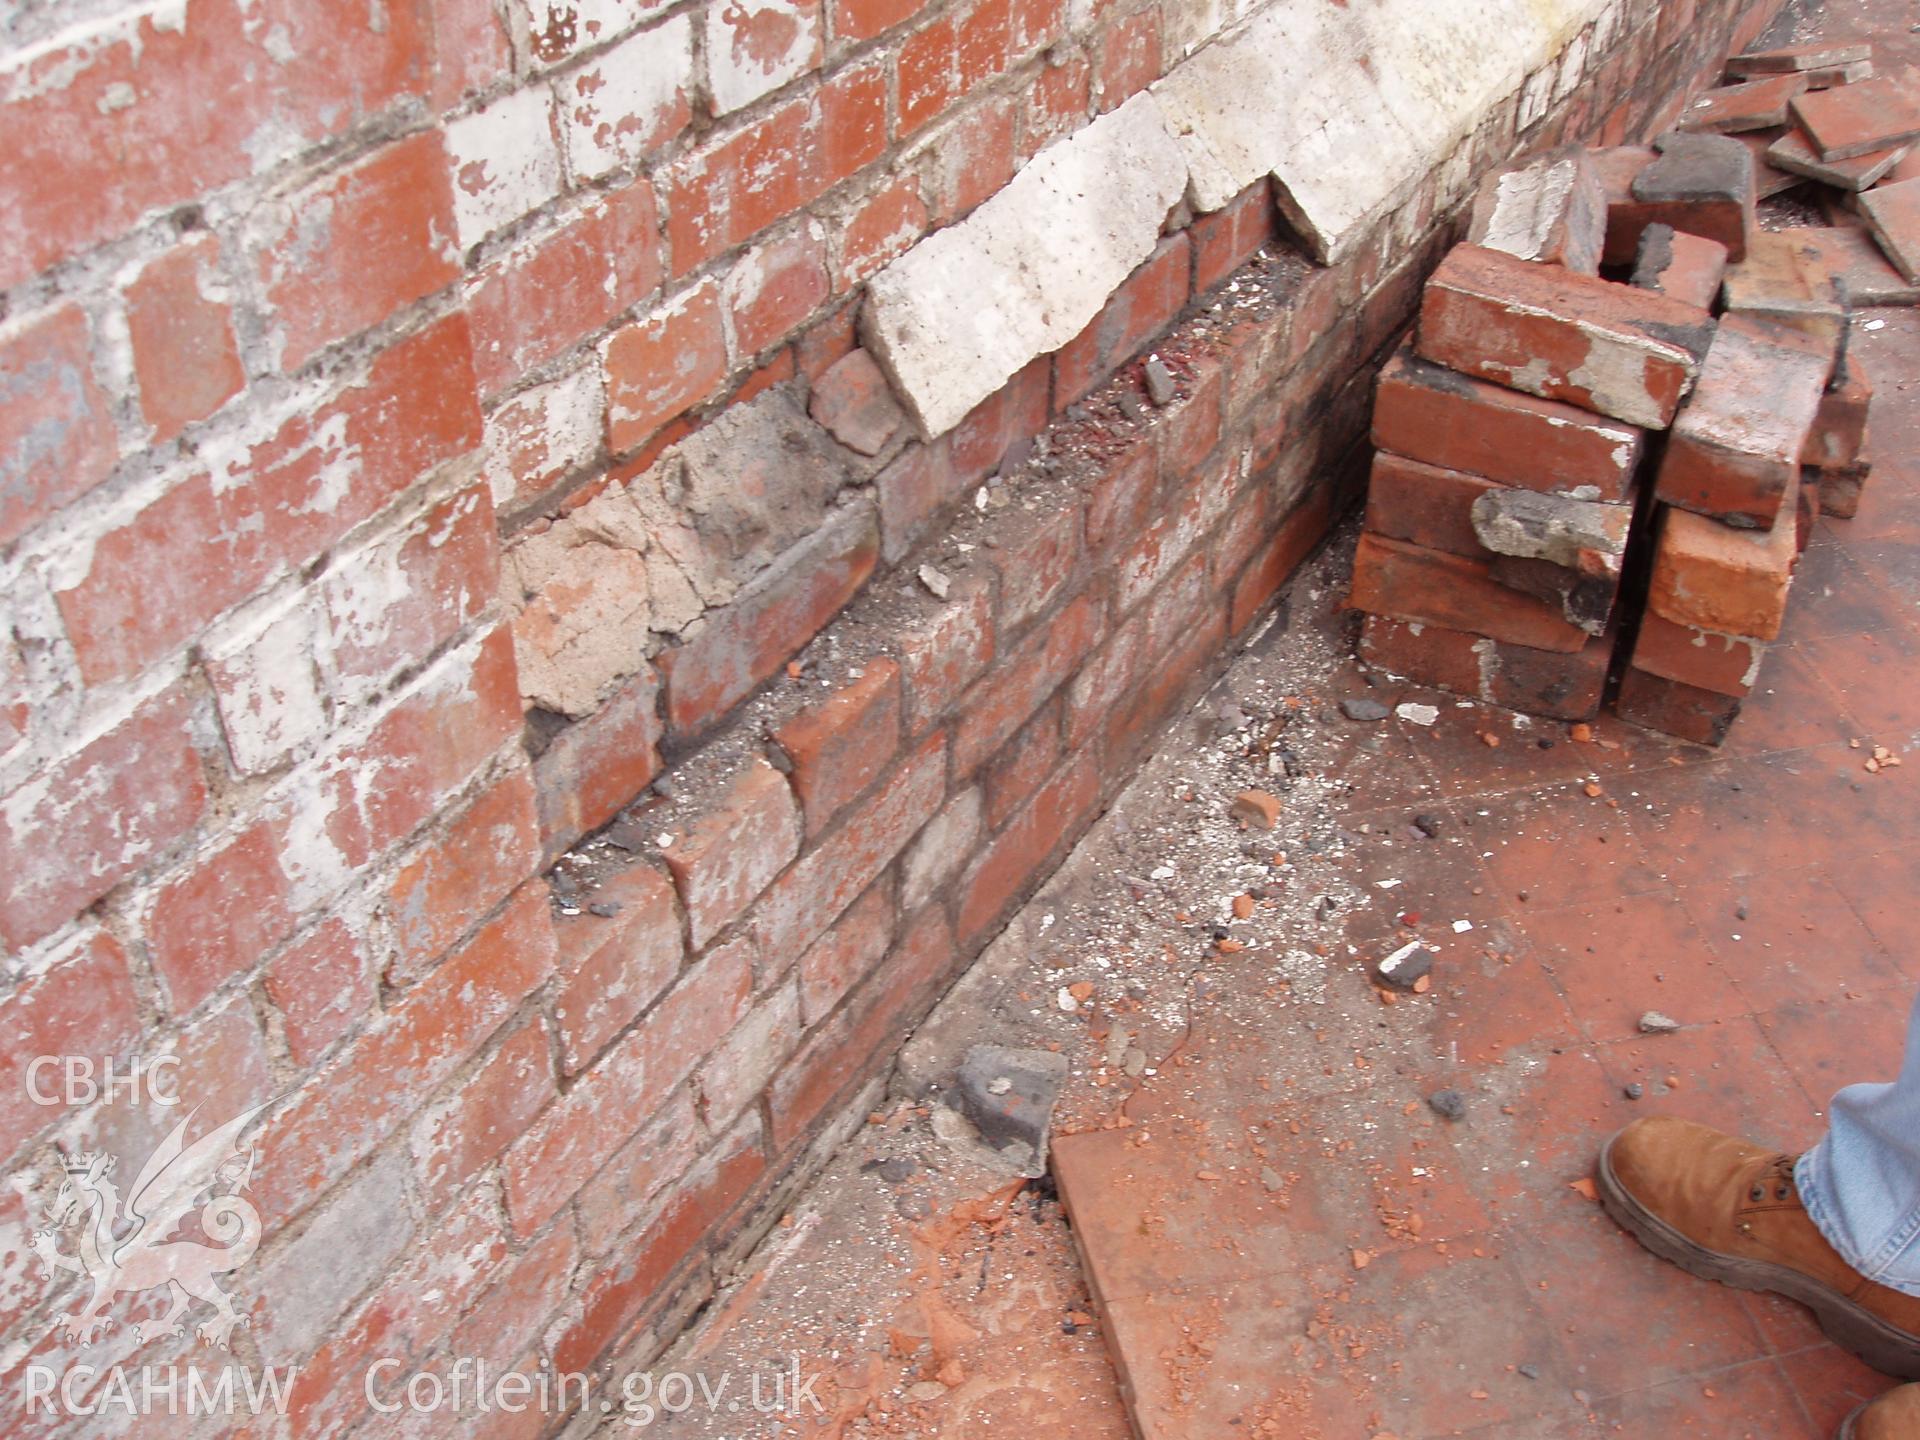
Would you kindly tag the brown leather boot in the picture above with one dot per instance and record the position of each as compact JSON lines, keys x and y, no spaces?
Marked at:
{"x":1726,"y":1210}
{"x":1894,"y":1416}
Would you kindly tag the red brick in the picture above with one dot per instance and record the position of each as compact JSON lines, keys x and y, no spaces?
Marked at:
{"x":1015,"y":860}
{"x":852,"y":400}
{"x":1755,"y":105}
{"x":1036,"y":566}
{"x":611,"y":968}
{"x":405,"y":596}
{"x":359,"y":245}
{"x":470,"y":49}
{"x":1556,"y":334}
{"x":81,"y":1003}
{"x":229,"y":908}
{"x":1427,"y":655}
{"x":885,"y":224}
{"x":208,"y":542}
{"x":1551,"y":209}
{"x":1787,"y":59}
{"x":1840,"y":489}
{"x":840,"y":745}
{"x":1121,"y":498}
{"x":1139,"y":721}
{"x":810,"y":896}
{"x":1409,"y":582}
{"x":1683,"y":267}
{"x":460,"y":1136}
{"x":1724,"y":664}
{"x":648,"y":1166}
{"x":1057,"y":103}
{"x":726,"y":192}
{"x":57,"y":437}
{"x":1166,"y":542}
{"x":865,"y":1034}
{"x":1726,"y":218}
{"x":1144,"y":305}
{"x":550,"y":293}
{"x":1893,"y":214}
{"x":1735,"y":449}
{"x":1438,"y":417}
{"x":620,"y":1293}
{"x":223,"y":1059}
{"x":226,"y":92}
{"x":576,"y":1135}
{"x":594,"y":768}
{"x":738,"y":647}
{"x":1016,"y":772}
{"x":1190,"y":426}
{"x":1021,"y":683}
{"x":915,"y":490}
{"x":1104,"y":680}
{"x":1227,"y":239}
{"x":864,"y":19}
{"x":845,"y":955}
{"x":1303,"y":529}
{"x":87,"y":821}
{"x":498,"y":1327}
{"x":1850,"y":120}
{"x":951,"y":58}
{"x":734,"y":1076}
{"x":733,"y":851}
{"x":974,"y":156}
{"x":185,"y":357}
{"x":461,"y":874}
{"x":1129,"y":51}
{"x":1550,"y":683}
{"x":1839,"y":434}
{"x":776,"y":286}
{"x":384,"y":1075}
{"x":942,"y":654}
{"x":322,"y":989}
{"x":1016,"y":411}
{"x":1654,"y":703}
{"x":663,"y":365}
{"x":825,"y":342}
{"x":1787,"y":281}
{"x":1425,"y":505}
{"x":1717,"y":578}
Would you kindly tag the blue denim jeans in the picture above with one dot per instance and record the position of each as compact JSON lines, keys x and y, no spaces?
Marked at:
{"x":1861,"y":1184}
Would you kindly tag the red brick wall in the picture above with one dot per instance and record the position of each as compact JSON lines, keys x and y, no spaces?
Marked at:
{"x":310,"y":320}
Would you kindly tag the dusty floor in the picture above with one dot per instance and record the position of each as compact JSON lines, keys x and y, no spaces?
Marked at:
{"x":1288,"y":1240}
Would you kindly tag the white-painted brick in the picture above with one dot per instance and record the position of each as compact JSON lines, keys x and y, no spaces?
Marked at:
{"x":616,"y":109}
{"x":543,"y":433}
{"x":756,"y":46}
{"x":959,"y":314}
{"x":266,"y":684}
{"x":505,"y":162}
{"x":560,"y":29}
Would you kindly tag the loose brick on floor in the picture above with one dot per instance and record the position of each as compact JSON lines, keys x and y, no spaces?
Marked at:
{"x":1893,"y":213}
{"x":1786,"y":59}
{"x":1795,"y":153}
{"x":1672,"y":708}
{"x":1754,"y":105}
{"x":1553,"y":211}
{"x":1787,"y":279}
{"x":1839,"y":434}
{"x":1726,"y":217}
{"x":1704,"y":659}
{"x":1715,"y":577}
{"x":1683,"y":267}
{"x":1768,"y":179}
{"x":1613,"y":349}
{"x":1409,"y":582}
{"x":1851,"y":120}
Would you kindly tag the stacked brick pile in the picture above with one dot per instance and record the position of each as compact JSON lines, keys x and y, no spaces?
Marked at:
{"x":1584,"y":474}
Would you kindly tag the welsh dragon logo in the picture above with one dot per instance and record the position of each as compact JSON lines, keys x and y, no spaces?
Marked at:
{"x":135,"y":1244}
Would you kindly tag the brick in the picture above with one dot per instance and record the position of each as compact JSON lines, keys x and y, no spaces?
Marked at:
{"x":543,"y":435}
{"x":1608,"y":348}
{"x":1893,"y":214}
{"x":951,"y":58}
{"x":470,"y":49}
{"x":1302,"y":530}
{"x":221,"y":90}
{"x":1840,"y":488}
{"x":206,"y":543}
{"x":456,"y":1138}
{"x":845,"y":955}
{"x":1839,"y":434}
{"x":357,"y":246}
{"x":840,"y":745}
{"x":1703,"y":659}
{"x":843,"y":1054}
{"x":80,"y":1003}
{"x":813,"y":894}
{"x":1714,"y":577}
{"x":266,"y":685}
{"x":1424,"y":504}
{"x":1769,"y":179}
{"x":1227,"y":239}
{"x":497,"y":1329}
{"x":476,"y":861}
{"x":1430,"y":655}
{"x":1120,"y":499}
{"x":554,"y":290}
{"x":1552,"y":210}
{"x":1057,"y":103}
{"x":1788,"y":59}
{"x":742,"y":1064}
{"x":216,"y":919}
{"x":1016,"y":858}
{"x":1408,"y":582}
{"x":1796,"y":155}
{"x":973,"y":156}
{"x":1191,"y":425}
{"x":775,"y":286}
{"x":1129,"y":61}
{"x":594,"y":768}
{"x":733,"y":851}
{"x":1850,"y":120}
{"x":755,"y":47}
{"x":1026,"y":760}
{"x":1036,"y":566}
{"x":85,"y":822}
{"x":1680,"y":266}
{"x":321,"y":987}
{"x":644,"y":1174}
{"x":1434,"y":415}
{"x":1735,"y":449}
{"x":1672,"y":708}
{"x":1550,"y":683}
{"x":737,"y":647}
{"x":942,"y":651}
{"x":1141,"y":308}
{"x":1862,"y":267}
{"x":940,"y":849}
{"x":662,"y":365}
{"x":734,"y":187}
{"x":1022,"y":682}
{"x":1788,"y":282}
{"x":853,"y":402}
{"x":611,"y":968}
{"x":630,"y":101}
{"x":885,"y":224}
{"x":1727,"y":218}
{"x":864,"y":19}
{"x":385,"y":1074}
{"x":180,"y":322}
{"x":572,"y":1139}
{"x":1755,"y":105}
{"x":505,"y":162}
{"x":620,"y":1294}
{"x":57,"y":436}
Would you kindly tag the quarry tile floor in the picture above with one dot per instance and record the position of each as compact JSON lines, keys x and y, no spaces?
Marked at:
{"x":1266,"y":1228}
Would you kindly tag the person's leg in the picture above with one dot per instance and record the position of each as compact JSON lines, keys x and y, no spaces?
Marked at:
{"x":1861,"y":1183}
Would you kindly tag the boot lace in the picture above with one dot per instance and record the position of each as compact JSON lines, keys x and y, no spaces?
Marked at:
{"x":1777,"y":1176}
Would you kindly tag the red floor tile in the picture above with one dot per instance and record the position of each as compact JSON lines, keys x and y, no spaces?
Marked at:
{"x":1842,"y":1043}
{"x":1727,"y":1075}
{"x":1557,"y":847}
{"x":1618,"y":960}
{"x":1785,"y":939}
{"x":1882,"y":889}
{"x":1830,"y":1385}
{"x":1748,"y":1402}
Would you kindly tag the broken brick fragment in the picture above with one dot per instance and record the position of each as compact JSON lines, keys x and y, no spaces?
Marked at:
{"x":1684,"y":267}
{"x":1552,"y":211}
{"x":1725,"y":215}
